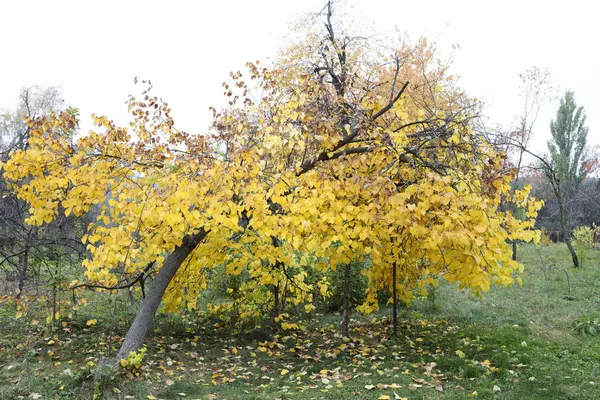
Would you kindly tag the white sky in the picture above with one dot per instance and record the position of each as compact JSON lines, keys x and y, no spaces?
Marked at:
{"x":94,"y":49}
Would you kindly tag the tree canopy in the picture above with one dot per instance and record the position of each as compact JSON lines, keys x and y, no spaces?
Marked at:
{"x":335,"y":152}
{"x":568,"y":146}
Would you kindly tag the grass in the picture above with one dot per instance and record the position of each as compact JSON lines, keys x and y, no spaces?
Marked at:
{"x":514,"y":342}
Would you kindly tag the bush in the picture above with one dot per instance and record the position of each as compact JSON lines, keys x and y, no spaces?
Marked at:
{"x":545,"y":239}
{"x":586,"y":326}
{"x":585,"y":236}
{"x":584,"y":240}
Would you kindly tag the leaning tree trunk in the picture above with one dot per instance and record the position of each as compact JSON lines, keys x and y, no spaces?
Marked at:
{"x":139,"y":327}
{"x":346,"y":301}
{"x":573,"y":253}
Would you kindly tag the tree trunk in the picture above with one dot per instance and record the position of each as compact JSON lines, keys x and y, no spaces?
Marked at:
{"x":514,"y":250}
{"x":346,"y":301}
{"x":394,"y":301}
{"x":565,"y":231}
{"x":277,"y":306}
{"x":139,"y":327}
{"x":53,"y":305}
{"x":573,"y":253}
{"x":131,"y":297}
{"x":276,"y":303}
{"x":23,"y":265}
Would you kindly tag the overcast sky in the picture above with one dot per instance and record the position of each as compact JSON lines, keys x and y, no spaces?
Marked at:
{"x":94,"y":49}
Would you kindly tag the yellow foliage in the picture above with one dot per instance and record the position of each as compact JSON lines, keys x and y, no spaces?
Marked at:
{"x":311,"y":176}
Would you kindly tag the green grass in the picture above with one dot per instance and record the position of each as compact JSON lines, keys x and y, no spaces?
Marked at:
{"x":518,"y":339}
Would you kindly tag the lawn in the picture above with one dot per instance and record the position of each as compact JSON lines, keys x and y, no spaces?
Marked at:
{"x":515,"y":342}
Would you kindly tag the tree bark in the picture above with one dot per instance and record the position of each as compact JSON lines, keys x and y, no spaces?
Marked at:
{"x":346,"y":303}
{"x":395,"y":301}
{"x":139,"y":327}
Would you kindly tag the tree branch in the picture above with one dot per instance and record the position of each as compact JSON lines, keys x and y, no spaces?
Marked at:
{"x":123,"y":286}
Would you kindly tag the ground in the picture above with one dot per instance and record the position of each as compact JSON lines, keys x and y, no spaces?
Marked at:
{"x":515,"y":342}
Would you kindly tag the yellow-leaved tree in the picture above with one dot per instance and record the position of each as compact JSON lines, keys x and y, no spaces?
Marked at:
{"x":336,"y":152}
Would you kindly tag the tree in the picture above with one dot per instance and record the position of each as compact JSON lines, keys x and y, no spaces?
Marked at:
{"x":567,"y":165}
{"x":21,"y":243}
{"x":568,"y":147}
{"x":535,"y":90}
{"x":346,"y":155}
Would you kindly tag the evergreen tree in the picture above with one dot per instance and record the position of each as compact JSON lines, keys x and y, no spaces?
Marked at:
{"x":566,"y":167}
{"x":568,"y":144}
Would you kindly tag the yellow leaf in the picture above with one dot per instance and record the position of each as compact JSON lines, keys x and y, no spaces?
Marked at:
{"x":384,"y":397}
{"x":460,"y":353}
{"x":284,"y":372}
{"x":91,"y":322}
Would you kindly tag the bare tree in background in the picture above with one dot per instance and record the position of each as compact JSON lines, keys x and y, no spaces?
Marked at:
{"x":535,"y":90}
{"x":22,"y":246}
